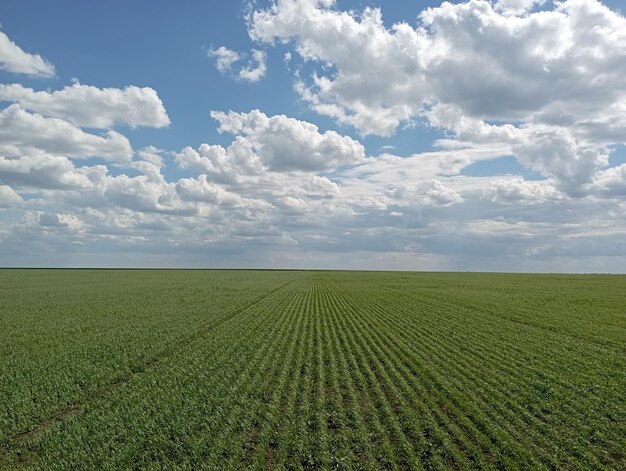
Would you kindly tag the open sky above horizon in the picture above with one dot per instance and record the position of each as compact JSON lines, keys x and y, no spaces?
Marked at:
{"x":471,"y":135}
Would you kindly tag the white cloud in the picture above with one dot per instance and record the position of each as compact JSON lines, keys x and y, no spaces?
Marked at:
{"x":21,"y":132}
{"x":553,"y":151}
{"x":142,"y":193}
{"x":276,"y":143}
{"x":43,"y":171}
{"x":378,"y":81}
{"x":149,"y":162}
{"x":224,"y":164}
{"x":15,"y":59}
{"x":549,"y":85}
{"x":152,"y":155}
{"x":203,"y":190}
{"x":516,"y":190}
{"x":611,"y":182}
{"x":416,"y":205}
{"x":516,"y":7}
{"x":556,"y":153}
{"x":252,"y":72}
{"x":87,"y":106}
{"x":500,"y":78}
{"x":224,"y":58}
{"x":436,"y":193}
{"x":503,"y":67}
{"x":8,"y":197}
{"x":467,"y":54}
{"x":283,"y":143}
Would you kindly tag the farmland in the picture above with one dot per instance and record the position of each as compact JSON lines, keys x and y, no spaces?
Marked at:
{"x":149,"y":369}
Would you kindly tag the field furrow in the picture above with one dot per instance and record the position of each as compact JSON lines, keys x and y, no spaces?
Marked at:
{"x":311,"y":370}
{"x":465,"y":364}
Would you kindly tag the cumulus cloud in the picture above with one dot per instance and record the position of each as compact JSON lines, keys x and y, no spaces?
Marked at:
{"x":21,"y":132}
{"x":376,"y":85}
{"x":611,"y":182}
{"x":252,"y":72}
{"x":467,"y":54}
{"x":87,"y":106}
{"x":549,"y":85}
{"x":504,"y":67}
{"x":283,"y":143}
{"x":14,"y":59}
{"x":142,"y":193}
{"x":203,"y":190}
{"x":224,"y":164}
{"x":386,"y":204}
{"x":153,"y":155}
{"x":556,"y":152}
{"x":39,"y":170}
{"x":499,"y":78}
{"x":516,"y":190}
{"x":276,"y":143}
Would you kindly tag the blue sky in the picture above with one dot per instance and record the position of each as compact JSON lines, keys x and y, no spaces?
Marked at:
{"x":481,"y":135}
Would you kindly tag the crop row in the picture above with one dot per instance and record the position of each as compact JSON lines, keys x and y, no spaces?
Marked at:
{"x":337,"y":370}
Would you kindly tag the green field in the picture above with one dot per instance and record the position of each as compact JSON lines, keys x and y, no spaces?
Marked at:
{"x":147,"y":369}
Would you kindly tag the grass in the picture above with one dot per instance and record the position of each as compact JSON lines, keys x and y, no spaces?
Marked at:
{"x":107,"y":369}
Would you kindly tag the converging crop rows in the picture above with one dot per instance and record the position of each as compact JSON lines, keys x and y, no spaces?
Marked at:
{"x":148,"y":369}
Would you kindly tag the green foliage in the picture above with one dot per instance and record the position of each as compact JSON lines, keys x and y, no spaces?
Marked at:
{"x":143,"y":369}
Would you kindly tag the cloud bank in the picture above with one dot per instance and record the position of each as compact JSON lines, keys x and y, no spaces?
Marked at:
{"x":535,"y":81}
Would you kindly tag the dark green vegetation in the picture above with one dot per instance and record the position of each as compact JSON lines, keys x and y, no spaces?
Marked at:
{"x":238,"y":369}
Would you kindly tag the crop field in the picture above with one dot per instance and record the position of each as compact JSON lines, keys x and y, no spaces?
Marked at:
{"x":149,"y":369}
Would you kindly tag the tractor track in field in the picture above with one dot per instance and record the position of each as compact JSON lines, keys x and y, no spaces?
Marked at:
{"x":75,"y":407}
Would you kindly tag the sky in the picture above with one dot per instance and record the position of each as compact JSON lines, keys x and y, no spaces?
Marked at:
{"x":399,"y":135}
